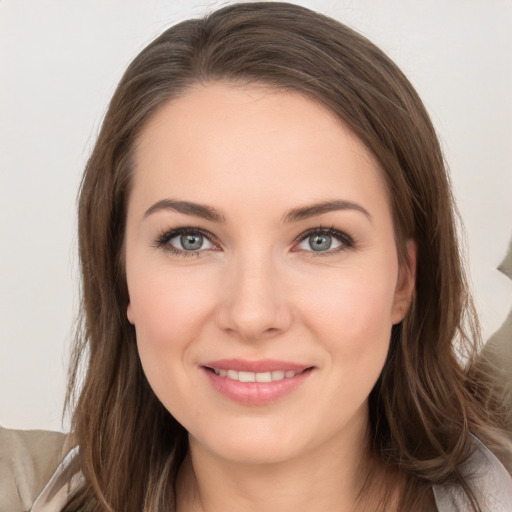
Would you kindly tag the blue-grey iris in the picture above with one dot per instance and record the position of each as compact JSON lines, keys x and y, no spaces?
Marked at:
{"x":191,"y":242}
{"x":320,"y":242}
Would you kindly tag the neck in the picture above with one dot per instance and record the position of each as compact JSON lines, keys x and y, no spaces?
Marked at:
{"x":328,"y":478}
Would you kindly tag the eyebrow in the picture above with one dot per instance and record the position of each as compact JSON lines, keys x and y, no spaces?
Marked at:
{"x":305,"y":212}
{"x":293,"y":215}
{"x":188,"y":208}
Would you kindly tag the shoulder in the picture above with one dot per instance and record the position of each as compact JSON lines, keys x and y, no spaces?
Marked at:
{"x":486,"y":476}
{"x":28,"y":458}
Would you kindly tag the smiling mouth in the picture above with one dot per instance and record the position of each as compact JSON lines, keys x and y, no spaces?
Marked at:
{"x":255,"y":383}
{"x":245,"y":376}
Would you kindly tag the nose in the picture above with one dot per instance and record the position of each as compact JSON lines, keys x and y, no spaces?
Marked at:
{"x":254,"y":304}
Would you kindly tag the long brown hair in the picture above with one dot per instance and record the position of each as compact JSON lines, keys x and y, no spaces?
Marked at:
{"x":425,"y":405}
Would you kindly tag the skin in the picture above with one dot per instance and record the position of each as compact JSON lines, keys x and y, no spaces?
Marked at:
{"x":257,"y":290}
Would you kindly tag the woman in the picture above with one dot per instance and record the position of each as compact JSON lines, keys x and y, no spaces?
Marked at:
{"x":274,"y":309}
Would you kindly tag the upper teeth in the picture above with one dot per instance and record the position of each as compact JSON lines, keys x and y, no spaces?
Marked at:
{"x":256,"y":376}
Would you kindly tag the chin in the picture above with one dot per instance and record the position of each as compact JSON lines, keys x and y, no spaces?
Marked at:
{"x":256,"y":445}
{"x":264,"y":452}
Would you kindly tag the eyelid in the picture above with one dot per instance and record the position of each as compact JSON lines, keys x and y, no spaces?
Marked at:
{"x":162,"y":240}
{"x":346,"y":241}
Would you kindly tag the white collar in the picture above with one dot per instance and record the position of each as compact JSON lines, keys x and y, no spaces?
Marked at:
{"x":66,"y":478}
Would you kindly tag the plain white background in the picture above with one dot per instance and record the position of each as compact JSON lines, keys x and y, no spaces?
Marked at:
{"x":59,"y":64}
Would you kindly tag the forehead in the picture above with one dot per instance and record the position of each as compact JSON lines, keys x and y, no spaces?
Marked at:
{"x":251,"y":141}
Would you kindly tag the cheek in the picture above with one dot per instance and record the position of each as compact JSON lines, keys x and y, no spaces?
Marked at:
{"x":166,"y":305}
{"x":353,"y":300}
{"x":352,"y":315}
{"x":169,"y":310}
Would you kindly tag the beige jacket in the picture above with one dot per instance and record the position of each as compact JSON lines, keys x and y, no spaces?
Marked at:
{"x":28,"y":460}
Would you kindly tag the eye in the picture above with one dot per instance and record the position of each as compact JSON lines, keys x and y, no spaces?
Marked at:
{"x":324,"y":240}
{"x":189,"y":241}
{"x":185,"y":240}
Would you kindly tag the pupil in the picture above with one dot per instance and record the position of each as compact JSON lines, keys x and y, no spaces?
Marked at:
{"x":191,"y":242}
{"x":320,"y":242}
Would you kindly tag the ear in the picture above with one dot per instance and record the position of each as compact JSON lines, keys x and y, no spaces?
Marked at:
{"x":129,"y":313}
{"x":405,"y":284}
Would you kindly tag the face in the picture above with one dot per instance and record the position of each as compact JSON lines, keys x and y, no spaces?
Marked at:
{"x":262,"y":271}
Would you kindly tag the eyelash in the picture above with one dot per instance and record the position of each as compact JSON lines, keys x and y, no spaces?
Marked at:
{"x":162,"y":241}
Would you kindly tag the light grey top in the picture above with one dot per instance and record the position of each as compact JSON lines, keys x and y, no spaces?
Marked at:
{"x":487,"y":477}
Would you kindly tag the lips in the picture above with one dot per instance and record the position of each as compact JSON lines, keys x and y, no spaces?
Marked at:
{"x":255,"y":382}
